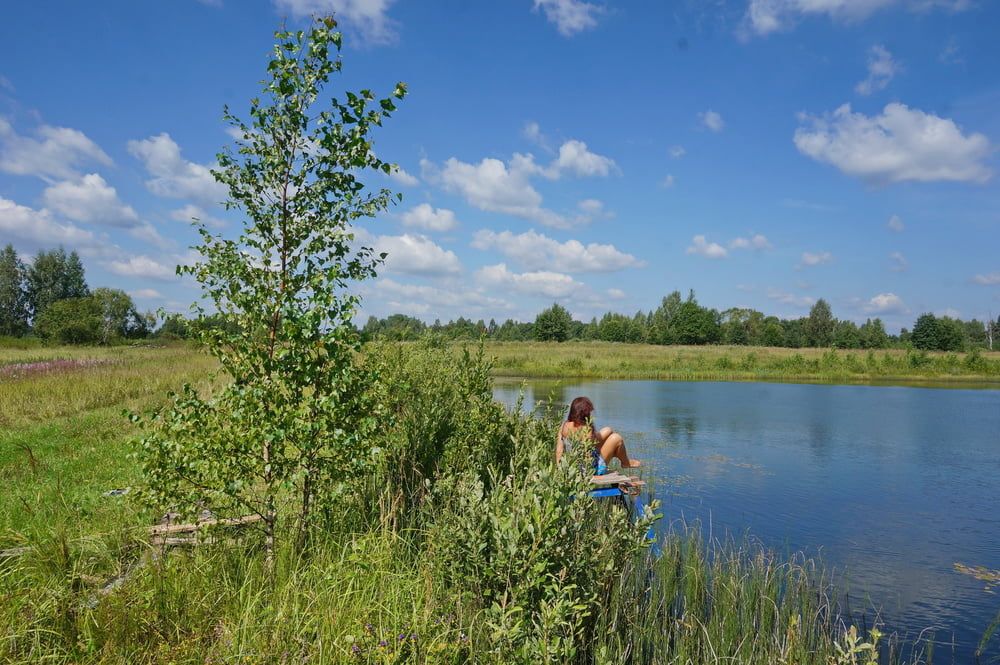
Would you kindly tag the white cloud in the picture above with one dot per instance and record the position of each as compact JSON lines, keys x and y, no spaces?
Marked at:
{"x":146,"y":293}
{"x":898,"y":145}
{"x":141,"y":266}
{"x":38,"y":228}
{"x":617,"y":294}
{"x":899,"y":262}
{"x":542,"y":283}
{"x":810,"y":259}
{"x":91,"y":200}
{"x":56,"y":152}
{"x":786,"y":298}
{"x":895,"y":223}
{"x":368,"y":17}
{"x":756,"y":242}
{"x":570,"y":16}
{"x":174,"y":176}
{"x":535,"y":251}
{"x":533,"y":132}
{"x":425,"y":217}
{"x":668,"y":181}
{"x":190,"y":212}
{"x":677,"y":151}
{"x":712,"y":121}
{"x":885,"y":303}
{"x":710,"y":250}
{"x":420,"y":298}
{"x":881,"y":69}
{"x":767,"y":16}
{"x":416,"y":255}
{"x":403,"y":178}
{"x":574,"y":157}
{"x":990,"y":279}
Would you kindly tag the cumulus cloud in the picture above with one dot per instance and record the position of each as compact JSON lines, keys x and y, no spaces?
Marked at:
{"x":419,"y":299}
{"x":895,"y":223}
{"x":55,"y":153}
{"x":881,"y":69}
{"x":885,"y":303}
{"x":677,"y":151}
{"x":756,"y":242}
{"x":190,"y":212}
{"x":535,"y":251}
{"x":898,"y":145}
{"x":810,"y":259}
{"x":141,"y":266}
{"x":668,"y":181}
{"x":766,"y":16}
{"x":570,"y":16}
{"x":990,"y":279}
{"x":574,"y":157}
{"x":368,"y":17}
{"x":617,"y":294}
{"x":428,"y":218}
{"x":712,"y":121}
{"x":37,"y":227}
{"x":543,"y":283}
{"x":416,"y":255}
{"x":174,"y":176}
{"x":403,"y":178}
{"x":710,"y":250}
{"x":505,"y":187}
{"x":533,"y":132}
{"x":90,"y":200}
{"x":151,"y":294}
{"x":899,"y":262}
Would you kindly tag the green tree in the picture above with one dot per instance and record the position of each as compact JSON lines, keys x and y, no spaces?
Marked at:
{"x":71,"y":321}
{"x":13,"y":294}
{"x":694,"y":324}
{"x":846,"y":335}
{"x":553,"y":324}
{"x":297,"y":417}
{"x":925,"y":333}
{"x":662,"y":329}
{"x":873,"y":335}
{"x":773,"y":333}
{"x":53,"y":276}
{"x":952,"y":335}
{"x":820,"y":324}
{"x":119,"y":317}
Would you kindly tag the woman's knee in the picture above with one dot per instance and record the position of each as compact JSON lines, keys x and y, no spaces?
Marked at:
{"x":615,"y":439}
{"x":605,"y":432}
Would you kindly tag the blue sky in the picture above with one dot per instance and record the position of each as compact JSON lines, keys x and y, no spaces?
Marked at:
{"x":765,"y":153}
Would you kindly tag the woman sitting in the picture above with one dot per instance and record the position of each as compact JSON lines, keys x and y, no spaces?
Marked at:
{"x":608,"y":444}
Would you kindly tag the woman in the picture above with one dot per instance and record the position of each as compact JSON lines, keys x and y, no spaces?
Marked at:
{"x":608,"y":444}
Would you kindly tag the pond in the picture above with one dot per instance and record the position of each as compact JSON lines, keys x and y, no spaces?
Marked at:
{"x":889,"y":486}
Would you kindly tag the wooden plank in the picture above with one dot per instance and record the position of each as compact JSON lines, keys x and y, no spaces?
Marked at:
{"x":168,"y":529}
{"x":613,"y":479}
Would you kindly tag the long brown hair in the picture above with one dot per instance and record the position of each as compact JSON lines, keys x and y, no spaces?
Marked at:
{"x":579,"y":412}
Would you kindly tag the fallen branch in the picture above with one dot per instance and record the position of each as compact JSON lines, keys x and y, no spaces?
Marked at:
{"x":14,"y":552}
{"x":170,"y":529}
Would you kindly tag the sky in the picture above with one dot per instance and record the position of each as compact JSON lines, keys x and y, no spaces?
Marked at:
{"x":765,"y":153}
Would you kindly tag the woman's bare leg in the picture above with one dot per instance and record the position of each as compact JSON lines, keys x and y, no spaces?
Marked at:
{"x":613,"y":446}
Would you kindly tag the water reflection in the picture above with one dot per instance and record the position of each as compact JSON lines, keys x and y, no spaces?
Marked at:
{"x":891,"y":485}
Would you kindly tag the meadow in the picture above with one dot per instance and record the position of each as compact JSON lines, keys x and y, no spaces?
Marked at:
{"x":460,"y":547}
{"x":603,"y":360}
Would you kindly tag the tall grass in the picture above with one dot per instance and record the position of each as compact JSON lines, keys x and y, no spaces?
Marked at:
{"x":468,"y":545}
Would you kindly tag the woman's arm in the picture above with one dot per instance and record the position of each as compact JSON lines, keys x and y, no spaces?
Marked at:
{"x":560,"y":448}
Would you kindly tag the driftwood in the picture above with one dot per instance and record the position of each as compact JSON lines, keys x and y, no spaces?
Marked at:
{"x":14,"y":552}
{"x":170,"y":529}
{"x":616,"y":479}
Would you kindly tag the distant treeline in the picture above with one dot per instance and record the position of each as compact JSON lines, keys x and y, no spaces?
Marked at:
{"x":50,"y":299}
{"x":683,"y":321}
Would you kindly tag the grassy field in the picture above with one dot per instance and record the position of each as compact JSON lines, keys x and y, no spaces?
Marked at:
{"x":602,"y":360}
{"x":452,"y":574}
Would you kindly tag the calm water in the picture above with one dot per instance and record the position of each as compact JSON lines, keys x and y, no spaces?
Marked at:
{"x":890,"y":486}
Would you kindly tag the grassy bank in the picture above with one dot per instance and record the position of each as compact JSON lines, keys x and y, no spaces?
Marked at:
{"x":603,"y":360}
{"x":462,"y":547}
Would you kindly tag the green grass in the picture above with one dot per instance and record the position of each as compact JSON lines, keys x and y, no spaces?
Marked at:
{"x":603,"y":360}
{"x":377,"y":573}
